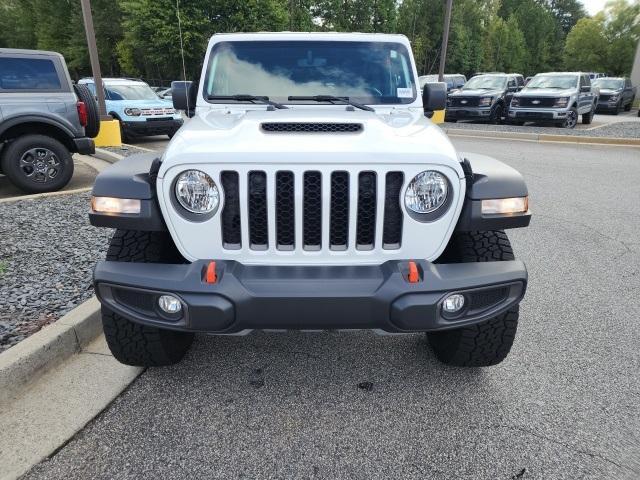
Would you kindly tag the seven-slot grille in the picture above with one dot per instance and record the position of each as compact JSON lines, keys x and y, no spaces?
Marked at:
{"x":374,"y":210}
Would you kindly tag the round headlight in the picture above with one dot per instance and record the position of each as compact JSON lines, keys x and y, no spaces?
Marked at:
{"x":426,"y":192}
{"x":197,"y":192}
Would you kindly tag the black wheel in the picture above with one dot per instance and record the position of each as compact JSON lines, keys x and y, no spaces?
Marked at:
{"x":588,"y":117}
{"x":572,"y":118}
{"x":37,"y":163}
{"x":93,"y":117}
{"x":627,"y":107}
{"x":495,"y":117}
{"x":486,"y":343}
{"x":132,"y":343}
{"x":124,"y":136}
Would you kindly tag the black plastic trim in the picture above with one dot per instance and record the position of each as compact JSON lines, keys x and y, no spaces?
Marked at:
{"x":128,"y":178}
{"x":84,"y":145}
{"x":309,"y":297}
{"x":493,"y":179}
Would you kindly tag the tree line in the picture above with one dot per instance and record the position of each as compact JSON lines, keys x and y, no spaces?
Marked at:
{"x":141,"y":37}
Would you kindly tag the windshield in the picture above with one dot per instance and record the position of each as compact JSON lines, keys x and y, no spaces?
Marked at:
{"x":366,"y":72}
{"x":423,"y":80}
{"x":609,"y":83}
{"x":130,"y":92}
{"x":488,"y":82}
{"x":553,"y":81}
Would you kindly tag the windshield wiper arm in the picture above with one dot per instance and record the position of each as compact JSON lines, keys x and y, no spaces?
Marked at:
{"x":247,"y":98}
{"x":331,"y":99}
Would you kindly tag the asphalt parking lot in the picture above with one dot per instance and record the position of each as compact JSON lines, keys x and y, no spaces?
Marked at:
{"x":565,"y":403}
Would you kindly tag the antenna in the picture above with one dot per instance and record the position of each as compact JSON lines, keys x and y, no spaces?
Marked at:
{"x":184,"y":69}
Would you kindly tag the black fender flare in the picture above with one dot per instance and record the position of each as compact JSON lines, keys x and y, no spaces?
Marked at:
{"x":132,"y":177}
{"x":37,"y":118}
{"x":488,"y":178}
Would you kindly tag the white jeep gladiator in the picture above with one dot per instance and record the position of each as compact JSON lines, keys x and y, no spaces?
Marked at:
{"x":310,"y":191}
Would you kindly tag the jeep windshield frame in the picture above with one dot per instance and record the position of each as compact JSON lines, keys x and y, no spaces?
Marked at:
{"x":366,"y":72}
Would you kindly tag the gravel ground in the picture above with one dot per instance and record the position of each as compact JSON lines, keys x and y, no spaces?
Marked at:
{"x":47,"y":254}
{"x":615,"y":130}
{"x":564,"y":405}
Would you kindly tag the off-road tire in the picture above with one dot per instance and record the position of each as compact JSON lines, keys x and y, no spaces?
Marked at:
{"x":132,"y":343}
{"x":14,"y":152}
{"x":93,"y":117}
{"x":486,"y":343}
{"x":588,"y":117}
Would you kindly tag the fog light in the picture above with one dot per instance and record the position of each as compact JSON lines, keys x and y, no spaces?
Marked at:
{"x":453,"y":303}
{"x":169,"y":304}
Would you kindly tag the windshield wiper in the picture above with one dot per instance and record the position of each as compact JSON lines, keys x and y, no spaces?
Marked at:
{"x":331,"y":99}
{"x":247,"y":98}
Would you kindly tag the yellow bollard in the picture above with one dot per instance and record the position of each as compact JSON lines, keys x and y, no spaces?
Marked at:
{"x":109,"y":135}
{"x":438,"y":116}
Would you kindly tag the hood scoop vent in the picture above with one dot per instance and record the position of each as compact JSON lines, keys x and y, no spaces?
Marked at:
{"x":305,"y":127}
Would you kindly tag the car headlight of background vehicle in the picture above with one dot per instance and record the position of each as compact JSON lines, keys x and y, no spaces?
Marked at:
{"x":485,"y":101}
{"x":561,"y":102}
{"x":132,"y":112}
{"x":196,"y":192}
{"x":426,"y":192}
{"x":515,"y":102}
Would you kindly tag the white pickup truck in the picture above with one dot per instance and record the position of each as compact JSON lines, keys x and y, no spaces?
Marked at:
{"x":310,"y":191}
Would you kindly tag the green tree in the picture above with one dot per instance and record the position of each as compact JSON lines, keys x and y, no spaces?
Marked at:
{"x":566,"y":12}
{"x":355,"y":15}
{"x":622,"y":30}
{"x":504,"y":46}
{"x":586,"y":47}
{"x":151,"y":42}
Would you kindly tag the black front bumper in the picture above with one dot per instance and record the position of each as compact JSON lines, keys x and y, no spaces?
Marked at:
{"x":310,"y":297}
{"x":469,"y":113}
{"x":606,"y":107}
{"x":153,"y":127}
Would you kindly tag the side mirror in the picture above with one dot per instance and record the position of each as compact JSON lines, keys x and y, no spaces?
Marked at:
{"x":585,"y":88}
{"x":180,"y":96}
{"x":434,"y":96}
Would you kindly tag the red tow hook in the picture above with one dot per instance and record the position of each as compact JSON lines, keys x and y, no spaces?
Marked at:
{"x":414,"y":275}
{"x":210,"y":275}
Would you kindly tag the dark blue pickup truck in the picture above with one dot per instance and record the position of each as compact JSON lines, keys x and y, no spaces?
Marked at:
{"x":616,"y":94}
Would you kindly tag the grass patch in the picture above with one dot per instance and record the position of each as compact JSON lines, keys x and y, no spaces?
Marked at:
{"x":3,"y":268}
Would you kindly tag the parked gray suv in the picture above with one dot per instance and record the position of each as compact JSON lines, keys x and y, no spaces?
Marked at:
{"x":557,"y":98}
{"x":44,"y":118}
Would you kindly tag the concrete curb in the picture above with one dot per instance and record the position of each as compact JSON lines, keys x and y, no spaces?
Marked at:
{"x":542,"y":137}
{"x":43,"y":195}
{"x":138,"y":147}
{"x":48,"y":348}
{"x":107,"y":156}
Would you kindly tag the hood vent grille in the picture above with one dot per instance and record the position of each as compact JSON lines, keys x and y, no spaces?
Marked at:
{"x":301,"y":127}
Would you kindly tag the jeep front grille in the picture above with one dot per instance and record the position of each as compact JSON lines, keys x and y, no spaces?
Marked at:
{"x":300,"y":200}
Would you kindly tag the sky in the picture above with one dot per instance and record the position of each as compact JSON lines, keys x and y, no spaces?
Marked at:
{"x":593,"y":6}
